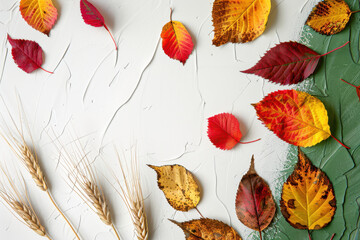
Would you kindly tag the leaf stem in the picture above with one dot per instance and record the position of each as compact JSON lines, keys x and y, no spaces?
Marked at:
{"x":107,"y":29}
{"x":199,"y":212}
{"x":335,"y":49}
{"x":116,"y":233}
{"x":250,"y":141}
{"x":53,"y":201}
{"x":46,"y":70}
{"x":332,"y":237}
{"x":349,"y":83}
{"x":260,"y":235}
{"x":355,"y":11}
{"x":309,"y":235}
{"x":171,"y":11}
{"x":340,"y":142}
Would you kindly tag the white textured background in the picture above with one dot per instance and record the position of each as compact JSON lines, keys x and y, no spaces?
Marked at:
{"x":139,"y":96}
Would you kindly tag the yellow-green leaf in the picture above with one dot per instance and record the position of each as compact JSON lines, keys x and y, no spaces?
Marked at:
{"x":329,"y":17}
{"x":239,"y":21}
{"x":39,"y":14}
{"x":308,"y":199}
{"x":179,"y":186}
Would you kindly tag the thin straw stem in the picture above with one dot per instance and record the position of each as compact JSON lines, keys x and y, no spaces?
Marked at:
{"x":116,"y":233}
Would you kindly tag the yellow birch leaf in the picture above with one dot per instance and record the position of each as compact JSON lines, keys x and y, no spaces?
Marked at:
{"x":39,"y":14}
{"x":179,"y":186}
{"x":308,"y":200}
{"x":329,"y":17}
{"x":239,"y":21}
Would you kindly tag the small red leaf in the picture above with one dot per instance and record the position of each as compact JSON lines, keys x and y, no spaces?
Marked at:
{"x":254,"y":203}
{"x":224,"y":131}
{"x":356,"y":87}
{"x":287,"y":63}
{"x":28,"y":55}
{"x":93,"y":17}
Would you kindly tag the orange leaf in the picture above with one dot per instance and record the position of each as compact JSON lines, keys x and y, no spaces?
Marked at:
{"x":329,"y":17}
{"x":176,"y":41}
{"x":308,"y":199}
{"x":296,"y":117}
{"x":39,"y":14}
{"x":239,"y":21}
{"x":255,"y":206}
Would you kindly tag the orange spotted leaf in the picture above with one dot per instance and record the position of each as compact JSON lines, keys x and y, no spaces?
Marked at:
{"x":296,"y":117}
{"x":239,"y":21}
{"x":207,"y":229}
{"x":329,"y":17}
{"x":39,"y":14}
{"x":176,"y":41}
{"x":254,"y":204}
{"x":308,"y":198}
{"x":356,"y":87}
{"x":179,"y":186}
{"x":224,"y":131}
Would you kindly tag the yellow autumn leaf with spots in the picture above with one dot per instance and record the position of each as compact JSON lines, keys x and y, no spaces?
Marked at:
{"x":179,"y":186}
{"x":39,"y":14}
{"x":329,"y":17}
{"x":308,"y":199}
{"x":239,"y":21}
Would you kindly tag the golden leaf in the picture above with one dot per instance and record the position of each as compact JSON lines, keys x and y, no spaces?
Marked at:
{"x":179,"y":186}
{"x":308,"y":200}
{"x":239,"y":21}
{"x":207,"y":229}
{"x":329,"y":17}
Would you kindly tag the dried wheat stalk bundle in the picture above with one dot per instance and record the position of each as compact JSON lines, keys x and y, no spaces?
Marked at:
{"x":20,"y":206}
{"x":133,"y":198}
{"x":28,"y":156}
{"x":82,"y":178}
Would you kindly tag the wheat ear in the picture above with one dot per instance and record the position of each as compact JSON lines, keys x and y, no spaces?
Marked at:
{"x":133,"y":198}
{"x":20,"y":206}
{"x":82,"y":177}
{"x":30,"y":160}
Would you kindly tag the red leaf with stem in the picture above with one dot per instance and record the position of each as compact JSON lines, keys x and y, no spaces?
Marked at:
{"x":288,"y":63}
{"x":356,"y":87}
{"x":224,"y":131}
{"x":254,"y":203}
{"x":28,"y":55}
{"x":93,"y":17}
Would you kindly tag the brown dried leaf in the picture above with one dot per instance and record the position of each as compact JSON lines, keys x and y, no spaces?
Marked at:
{"x":207,"y":229}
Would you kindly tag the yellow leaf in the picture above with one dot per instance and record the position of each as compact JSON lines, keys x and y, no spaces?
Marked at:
{"x":329,"y":17}
{"x":39,"y":14}
{"x":308,"y":200}
{"x":207,"y":229}
{"x":179,"y":186}
{"x":239,"y":21}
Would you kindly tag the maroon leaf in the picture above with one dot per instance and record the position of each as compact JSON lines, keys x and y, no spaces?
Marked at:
{"x":356,"y":87}
{"x":28,"y":55}
{"x":93,"y":17}
{"x":287,"y":63}
{"x":254,"y":204}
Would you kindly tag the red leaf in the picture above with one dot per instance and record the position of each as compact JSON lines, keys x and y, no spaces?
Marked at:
{"x":28,"y":55}
{"x":287,"y":63}
{"x":356,"y":87}
{"x":255,"y":206}
{"x":224,"y":131}
{"x":176,"y":40}
{"x":93,"y":17}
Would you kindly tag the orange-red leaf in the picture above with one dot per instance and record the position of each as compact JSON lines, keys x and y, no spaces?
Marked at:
{"x":176,"y":41}
{"x":224,"y":131}
{"x":255,"y":206}
{"x":296,"y":117}
{"x":39,"y":14}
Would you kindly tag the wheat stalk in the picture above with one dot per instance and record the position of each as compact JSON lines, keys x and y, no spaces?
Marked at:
{"x":84,"y":181}
{"x":20,"y":206}
{"x":30,"y":159}
{"x":133,"y":198}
